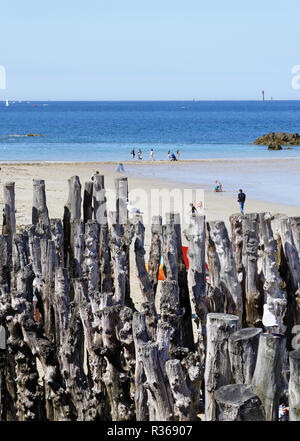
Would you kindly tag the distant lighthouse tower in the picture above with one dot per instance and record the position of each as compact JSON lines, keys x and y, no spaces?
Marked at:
{"x":263,"y":95}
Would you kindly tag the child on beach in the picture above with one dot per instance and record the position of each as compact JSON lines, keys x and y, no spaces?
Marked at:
{"x":140,"y":155}
{"x":178,"y":152}
{"x":218,"y":186}
{"x":132,"y":154}
{"x":169,"y":154}
{"x":120,"y":168}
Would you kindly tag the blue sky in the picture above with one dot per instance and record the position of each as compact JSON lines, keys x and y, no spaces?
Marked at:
{"x":149,"y":49}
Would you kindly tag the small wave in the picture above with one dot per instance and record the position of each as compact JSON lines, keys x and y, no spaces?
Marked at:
{"x":16,"y":136}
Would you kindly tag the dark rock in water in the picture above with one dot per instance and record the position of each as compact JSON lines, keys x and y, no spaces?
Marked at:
{"x":274,"y":146}
{"x":280,"y":138}
{"x":33,"y":134}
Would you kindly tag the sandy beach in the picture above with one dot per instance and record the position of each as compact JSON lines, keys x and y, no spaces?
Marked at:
{"x":218,"y":206}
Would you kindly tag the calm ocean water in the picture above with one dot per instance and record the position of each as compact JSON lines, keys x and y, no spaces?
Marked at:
{"x":105,"y":131}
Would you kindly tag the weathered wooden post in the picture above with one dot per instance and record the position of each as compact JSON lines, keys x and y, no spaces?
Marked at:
{"x":76,"y":249}
{"x":171,"y":312}
{"x":295,"y":225}
{"x":184,"y":297}
{"x":90,"y":307}
{"x":159,"y":404}
{"x":149,"y":311}
{"x":291,"y":254}
{"x":237,"y":402}
{"x":294,"y":386}
{"x":57,"y":401}
{"x":145,"y":283}
{"x":91,"y":255}
{"x":226,"y":280}
{"x":57,"y":235}
{"x":121,"y":187}
{"x":106,"y":282}
{"x":272,"y":282}
{"x":5,"y":259}
{"x":120,"y":239}
{"x":155,"y":251}
{"x":39,"y":205}
{"x":289,"y":269}
{"x":237,"y":244}
{"x":72,"y":211}
{"x":253,"y":298}
{"x":48,"y":262}
{"x":217,"y":364}
{"x":116,"y":381}
{"x":9,"y":226}
{"x":183,"y":404}
{"x":74,"y":197}
{"x":267,"y":382}
{"x":126,"y":228}
{"x":140,"y":336}
{"x":242,"y":350}
{"x":100,"y":214}
{"x":28,"y":405}
{"x":88,"y":201}
{"x":195,"y":234}
{"x":69,"y":345}
{"x":176,"y":270}
{"x":99,"y":200}
{"x":20,"y":257}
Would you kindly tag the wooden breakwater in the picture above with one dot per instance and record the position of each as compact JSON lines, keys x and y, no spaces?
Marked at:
{"x":74,"y":347}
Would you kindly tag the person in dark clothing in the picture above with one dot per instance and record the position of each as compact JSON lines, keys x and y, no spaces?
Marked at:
{"x":241,"y":200}
{"x":193,"y":209}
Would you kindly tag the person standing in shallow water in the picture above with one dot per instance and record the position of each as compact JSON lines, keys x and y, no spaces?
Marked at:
{"x":241,"y":200}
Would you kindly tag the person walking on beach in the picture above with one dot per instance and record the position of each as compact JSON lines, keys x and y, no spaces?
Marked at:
{"x":96,"y":173}
{"x":178,"y":153}
{"x":151,"y":155}
{"x":140,"y":155}
{"x":132,"y":154}
{"x":193,"y":209}
{"x":241,"y":200}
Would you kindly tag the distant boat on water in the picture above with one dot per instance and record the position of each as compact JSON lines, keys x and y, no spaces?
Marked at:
{"x":6,"y":103}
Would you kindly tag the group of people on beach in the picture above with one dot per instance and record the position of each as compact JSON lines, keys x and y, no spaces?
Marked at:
{"x":171,"y":156}
{"x":241,"y":200}
{"x":241,"y":196}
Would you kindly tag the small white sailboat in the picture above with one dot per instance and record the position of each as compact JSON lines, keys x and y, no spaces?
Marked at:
{"x":6,"y":103}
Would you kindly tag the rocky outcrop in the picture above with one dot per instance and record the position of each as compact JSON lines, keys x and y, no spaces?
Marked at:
{"x":278,"y":138}
{"x":274,"y":146}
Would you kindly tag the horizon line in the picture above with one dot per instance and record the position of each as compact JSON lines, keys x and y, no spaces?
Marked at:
{"x":143,"y":100}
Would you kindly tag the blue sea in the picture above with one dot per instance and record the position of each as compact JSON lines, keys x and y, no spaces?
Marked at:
{"x":107,"y":131}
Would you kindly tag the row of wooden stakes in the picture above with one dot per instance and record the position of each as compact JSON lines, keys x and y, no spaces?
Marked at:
{"x":89,"y":354}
